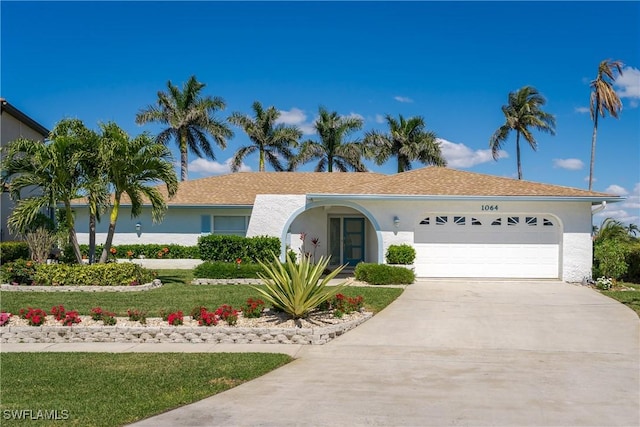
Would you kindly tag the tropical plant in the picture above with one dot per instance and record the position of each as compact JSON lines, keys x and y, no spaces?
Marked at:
{"x":603,"y":100}
{"x":134,"y":165}
{"x":189,"y":117}
{"x":333,"y":150}
{"x":522,"y":111}
{"x":54,"y":168}
{"x":272,"y":141}
{"x":612,"y":229}
{"x":297,"y":288}
{"x":407,"y":140}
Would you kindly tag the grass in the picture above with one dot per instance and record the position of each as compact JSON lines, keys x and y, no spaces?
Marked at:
{"x":175,"y":294}
{"x":105,"y":389}
{"x":630,"y":298}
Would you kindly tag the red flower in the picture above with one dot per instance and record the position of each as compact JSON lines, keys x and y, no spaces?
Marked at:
{"x":113,"y":251}
{"x":238,"y":261}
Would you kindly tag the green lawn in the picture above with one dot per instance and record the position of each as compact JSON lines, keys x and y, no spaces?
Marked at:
{"x":105,"y":389}
{"x":176,"y":294}
{"x":630,"y":298}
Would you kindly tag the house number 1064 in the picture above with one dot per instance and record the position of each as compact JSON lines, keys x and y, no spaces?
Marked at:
{"x":489,"y":207}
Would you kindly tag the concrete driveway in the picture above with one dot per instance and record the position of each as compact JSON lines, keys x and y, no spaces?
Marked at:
{"x":454,"y":353}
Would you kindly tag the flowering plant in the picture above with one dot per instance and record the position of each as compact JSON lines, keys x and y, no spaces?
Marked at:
{"x":130,"y":255}
{"x":238,"y":262}
{"x":196,"y":312}
{"x":208,"y":318}
{"x":175,"y":319}
{"x":58,"y":312}
{"x":228,"y":314}
{"x":137,"y":316}
{"x":342,"y":304}
{"x":71,"y":318}
{"x":97,"y":313}
{"x":19,"y":272}
{"x":604,"y":283}
{"x":113,"y":250}
{"x":108,"y":318}
{"x":35,"y":316}
{"x":4,"y":318}
{"x":253,"y":308}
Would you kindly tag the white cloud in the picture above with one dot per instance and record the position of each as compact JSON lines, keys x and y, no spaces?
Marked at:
{"x":379,"y":118}
{"x":628,"y":83}
{"x":617,"y":190}
{"x":569,"y":164}
{"x":208,"y":167}
{"x":296,"y":117}
{"x":461,"y":156}
{"x":403,"y":99}
{"x":582,"y":110}
{"x":355,"y":116}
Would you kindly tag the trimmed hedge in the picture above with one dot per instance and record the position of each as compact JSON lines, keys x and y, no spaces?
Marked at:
{"x":227,"y":270}
{"x":633,"y":262}
{"x":148,"y":251}
{"x":400,"y":254}
{"x":222,"y":248}
{"x":11,"y":251}
{"x":110,"y":274}
{"x":383,"y":274}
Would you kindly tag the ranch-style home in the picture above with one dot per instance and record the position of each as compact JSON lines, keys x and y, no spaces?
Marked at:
{"x":461,"y":224}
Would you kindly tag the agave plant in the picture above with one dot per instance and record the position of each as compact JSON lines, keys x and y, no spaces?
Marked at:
{"x":298,"y":288}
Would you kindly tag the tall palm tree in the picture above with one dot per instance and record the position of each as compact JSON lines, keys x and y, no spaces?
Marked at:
{"x":189,"y":117}
{"x":135,"y":167}
{"x":332,"y":149}
{"x":50,"y":171}
{"x":272,"y":141}
{"x":522,"y":112}
{"x":603,"y":99}
{"x":407,"y":140}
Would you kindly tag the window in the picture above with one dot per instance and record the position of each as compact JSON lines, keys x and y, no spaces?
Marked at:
{"x":547,"y":223}
{"x":205,"y":224}
{"x":425,"y":221}
{"x":441,"y":220}
{"x":513,"y":220}
{"x":531,"y":221}
{"x":235,"y":225}
{"x":497,"y":221}
{"x":459,"y":220}
{"x":475,"y":221}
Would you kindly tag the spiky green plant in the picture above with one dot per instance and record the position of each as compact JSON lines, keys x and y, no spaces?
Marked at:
{"x":297,"y":288}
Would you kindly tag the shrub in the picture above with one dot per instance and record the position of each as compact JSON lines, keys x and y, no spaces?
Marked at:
{"x":609,"y":256}
{"x":97,"y":313}
{"x":208,"y":318}
{"x":35,"y":316}
{"x":151,"y":250}
{"x":228,"y":314}
{"x":382,"y":274}
{"x":633,"y":262}
{"x":224,"y":248}
{"x":109,"y":318}
{"x":137,"y":316}
{"x":227,"y":270}
{"x":298,"y":288}
{"x":58,"y":312}
{"x":196,"y":312}
{"x":400,"y":254}
{"x":176,"y":318}
{"x":71,"y":318}
{"x":4,"y":318}
{"x":19,"y":272}
{"x":11,"y":251}
{"x":253,"y":308}
{"x":112,"y":274}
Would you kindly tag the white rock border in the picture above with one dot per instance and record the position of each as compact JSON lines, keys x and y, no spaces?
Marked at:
{"x":177,"y":334}
{"x":146,"y":287}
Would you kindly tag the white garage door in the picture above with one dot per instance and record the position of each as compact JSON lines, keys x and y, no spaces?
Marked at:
{"x":501,"y":246}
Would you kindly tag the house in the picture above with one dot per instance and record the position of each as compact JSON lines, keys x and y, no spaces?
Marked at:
{"x":15,"y":124}
{"x":462,"y":224}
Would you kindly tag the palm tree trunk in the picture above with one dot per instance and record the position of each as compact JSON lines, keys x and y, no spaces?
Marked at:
{"x":518,"y":155}
{"x":113,"y":218}
{"x":183,"y":159}
{"x":92,"y":238}
{"x":330,"y":163}
{"x":261,"y":162}
{"x":593,"y":148}
{"x":73,"y":239}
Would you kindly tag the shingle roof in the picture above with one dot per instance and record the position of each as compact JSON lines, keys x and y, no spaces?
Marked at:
{"x":241,"y":188}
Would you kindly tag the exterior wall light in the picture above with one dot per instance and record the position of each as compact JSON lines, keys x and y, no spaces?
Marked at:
{"x":396,"y":221}
{"x":138,"y":227}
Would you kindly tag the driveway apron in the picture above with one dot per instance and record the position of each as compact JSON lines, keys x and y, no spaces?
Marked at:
{"x":454,"y":353}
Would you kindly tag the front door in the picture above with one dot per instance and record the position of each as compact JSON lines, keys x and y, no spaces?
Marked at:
{"x":346,"y":240}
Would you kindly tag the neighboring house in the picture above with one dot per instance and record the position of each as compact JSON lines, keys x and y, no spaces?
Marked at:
{"x":15,"y":124}
{"x":462,"y":224}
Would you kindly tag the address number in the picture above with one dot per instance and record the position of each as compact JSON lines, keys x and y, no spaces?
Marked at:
{"x":489,"y":207}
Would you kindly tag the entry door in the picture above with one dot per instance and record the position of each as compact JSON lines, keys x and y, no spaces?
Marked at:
{"x":353,"y":234}
{"x":346,"y":240}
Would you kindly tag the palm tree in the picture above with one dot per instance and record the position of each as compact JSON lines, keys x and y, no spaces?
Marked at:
{"x":189,"y":118}
{"x":133,"y":165}
{"x":407,"y":140}
{"x":272,"y":141}
{"x":51,"y":168}
{"x":332,"y":149}
{"x":522,"y":112}
{"x":603,"y":99}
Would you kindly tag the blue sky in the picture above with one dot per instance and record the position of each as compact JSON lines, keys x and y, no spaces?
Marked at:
{"x":453,"y":63}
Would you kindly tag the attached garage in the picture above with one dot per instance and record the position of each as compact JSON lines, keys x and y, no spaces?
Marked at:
{"x":450,"y":244}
